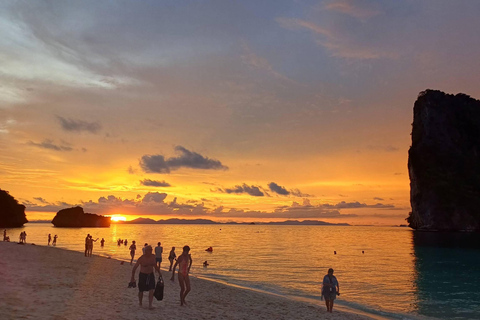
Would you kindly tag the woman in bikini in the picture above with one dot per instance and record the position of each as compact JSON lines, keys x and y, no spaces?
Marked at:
{"x":146,"y":277}
{"x":133,"y":247}
{"x":184,"y":262}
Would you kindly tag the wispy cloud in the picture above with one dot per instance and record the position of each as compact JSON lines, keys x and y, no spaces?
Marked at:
{"x":353,"y":8}
{"x":79,"y":125}
{"x":49,"y":144}
{"x":154,"y":183}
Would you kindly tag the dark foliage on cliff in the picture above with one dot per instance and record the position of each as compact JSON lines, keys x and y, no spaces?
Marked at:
{"x":76,"y":218}
{"x":444,"y":163}
{"x":12,"y":214}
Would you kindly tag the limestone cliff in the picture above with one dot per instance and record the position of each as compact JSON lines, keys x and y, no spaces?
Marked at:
{"x":12,"y":214}
{"x":76,"y":218}
{"x":444,"y":163}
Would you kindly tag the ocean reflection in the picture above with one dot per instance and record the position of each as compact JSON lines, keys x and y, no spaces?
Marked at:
{"x":447,"y":274}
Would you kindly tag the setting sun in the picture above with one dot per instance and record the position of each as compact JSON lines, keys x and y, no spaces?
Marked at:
{"x":118,"y":218}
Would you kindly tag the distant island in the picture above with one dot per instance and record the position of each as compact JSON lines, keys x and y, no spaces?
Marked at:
{"x":76,"y":218}
{"x":444,"y":163}
{"x":206,"y":221}
{"x":12,"y":214}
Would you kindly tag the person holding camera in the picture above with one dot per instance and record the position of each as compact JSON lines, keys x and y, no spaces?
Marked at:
{"x":330,"y":289}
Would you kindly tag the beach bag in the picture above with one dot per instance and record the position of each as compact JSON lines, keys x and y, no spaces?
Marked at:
{"x":158,"y":294}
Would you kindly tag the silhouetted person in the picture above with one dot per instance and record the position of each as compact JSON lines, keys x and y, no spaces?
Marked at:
{"x":5,"y":235}
{"x":126,"y":242}
{"x":205,"y":263}
{"x":54,"y":243}
{"x":330,"y":289}
{"x":184,"y":262}
{"x":49,"y":238}
{"x":90,"y":242}
{"x":102,"y":242}
{"x":158,"y":254}
{"x":146,"y":277}
{"x":144,"y":246}
{"x":86,"y":244}
{"x":133,"y":247}
{"x":171,"y":257}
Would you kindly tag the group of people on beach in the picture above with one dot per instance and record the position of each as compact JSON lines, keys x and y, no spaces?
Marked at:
{"x":23,"y":237}
{"x":122,"y":241}
{"x":149,"y":262}
{"x":54,"y":243}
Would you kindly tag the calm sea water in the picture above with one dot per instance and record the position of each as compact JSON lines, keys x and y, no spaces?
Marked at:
{"x":383,"y":270}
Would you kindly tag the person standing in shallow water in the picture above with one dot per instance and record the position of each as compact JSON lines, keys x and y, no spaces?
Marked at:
{"x":158,"y":254}
{"x":184,"y":262}
{"x":330,"y":289}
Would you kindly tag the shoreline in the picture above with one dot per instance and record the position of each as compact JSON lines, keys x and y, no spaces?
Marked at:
{"x":63,"y":284}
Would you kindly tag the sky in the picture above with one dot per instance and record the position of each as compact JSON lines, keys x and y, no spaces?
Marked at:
{"x":225,"y":110}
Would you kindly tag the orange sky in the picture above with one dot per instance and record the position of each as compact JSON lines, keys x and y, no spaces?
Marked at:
{"x":232,"y":112}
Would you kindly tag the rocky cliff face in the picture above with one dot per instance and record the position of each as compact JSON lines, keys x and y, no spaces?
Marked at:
{"x":12,"y":214}
{"x":76,"y":218}
{"x":444,"y":163}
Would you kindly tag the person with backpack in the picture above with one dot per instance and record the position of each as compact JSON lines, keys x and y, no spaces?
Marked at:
{"x":330,"y":289}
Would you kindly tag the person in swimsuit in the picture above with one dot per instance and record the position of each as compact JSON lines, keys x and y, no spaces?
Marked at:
{"x":184,"y":262}
{"x":54,"y":243}
{"x":158,"y":254}
{"x":102,"y":242}
{"x":133,"y":247}
{"x":86,"y":244}
{"x":171,"y":257}
{"x":146,"y":277}
{"x":49,"y":238}
{"x":330,"y":289}
{"x":90,"y":242}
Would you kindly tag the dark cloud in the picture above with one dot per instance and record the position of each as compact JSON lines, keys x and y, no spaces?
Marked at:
{"x":187,"y":159}
{"x":278,"y":189}
{"x":154,"y":183}
{"x":378,"y":199}
{"x":79,"y":125}
{"x":154,"y":197}
{"x":251,"y":190}
{"x":298,"y":193}
{"x":49,"y":144}
{"x":356,"y":204}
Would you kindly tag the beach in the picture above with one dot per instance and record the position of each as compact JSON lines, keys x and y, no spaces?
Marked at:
{"x":40,"y":282}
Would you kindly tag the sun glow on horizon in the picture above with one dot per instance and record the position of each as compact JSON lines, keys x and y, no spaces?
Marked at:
{"x":118,"y":218}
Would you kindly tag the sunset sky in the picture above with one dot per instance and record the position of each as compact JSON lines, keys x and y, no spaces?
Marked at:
{"x":226,"y":110}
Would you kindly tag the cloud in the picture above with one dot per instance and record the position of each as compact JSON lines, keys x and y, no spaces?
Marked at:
{"x":278,"y":189}
{"x":251,"y":190}
{"x":387,"y":148}
{"x":48,"y":144}
{"x":187,"y":159}
{"x":353,"y":9}
{"x":153,"y":203}
{"x":154,"y":183}
{"x":378,"y":199}
{"x":79,"y":125}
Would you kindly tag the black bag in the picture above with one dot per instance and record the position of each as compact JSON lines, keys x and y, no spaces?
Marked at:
{"x":158,"y":294}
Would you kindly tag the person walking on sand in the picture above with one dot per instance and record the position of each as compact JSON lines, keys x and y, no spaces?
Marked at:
{"x":133,"y":247}
{"x":184,"y":263}
{"x":49,"y":238}
{"x":146,"y":277}
{"x":54,"y":243}
{"x":330,"y":289}
{"x":158,"y":254}
{"x":171,"y":256}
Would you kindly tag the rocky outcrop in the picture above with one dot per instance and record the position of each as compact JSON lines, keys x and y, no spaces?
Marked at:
{"x":12,"y":214}
{"x":444,"y":163}
{"x":76,"y":218}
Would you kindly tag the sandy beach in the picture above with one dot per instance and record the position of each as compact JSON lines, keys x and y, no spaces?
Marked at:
{"x":41,"y":282}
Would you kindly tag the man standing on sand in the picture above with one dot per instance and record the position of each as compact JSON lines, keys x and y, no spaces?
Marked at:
{"x":49,"y":238}
{"x":146,"y":277}
{"x":184,"y":262}
{"x":158,"y":254}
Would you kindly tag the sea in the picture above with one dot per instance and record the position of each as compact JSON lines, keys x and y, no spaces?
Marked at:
{"x":392,"y":272}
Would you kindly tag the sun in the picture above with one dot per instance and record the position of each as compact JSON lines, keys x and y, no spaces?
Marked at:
{"x":118,"y":218}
